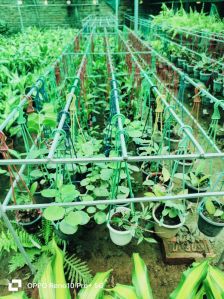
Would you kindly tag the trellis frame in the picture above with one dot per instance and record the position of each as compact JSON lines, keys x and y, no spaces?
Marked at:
{"x":89,"y":27}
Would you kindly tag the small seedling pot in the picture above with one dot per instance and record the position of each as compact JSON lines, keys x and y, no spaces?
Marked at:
{"x":206,"y":225}
{"x":204,"y":77}
{"x":190,"y":69}
{"x":217,"y":86}
{"x":165,"y":231}
{"x":173,"y":58}
{"x":120,"y":238}
{"x":196,"y":73}
{"x":181,"y":62}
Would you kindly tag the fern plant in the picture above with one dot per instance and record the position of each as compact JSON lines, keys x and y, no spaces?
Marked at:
{"x":76,"y":270}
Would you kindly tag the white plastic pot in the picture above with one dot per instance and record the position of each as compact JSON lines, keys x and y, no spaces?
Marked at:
{"x":119,"y":238}
{"x":165,"y":231}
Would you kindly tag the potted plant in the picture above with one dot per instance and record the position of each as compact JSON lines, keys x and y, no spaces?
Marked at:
{"x":29,"y":219}
{"x":218,"y":85}
{"x":211,"y":217}
{"x":183,"y":165}
{"x":169,"y":216}
{"x":196,"y":182}
{"x":120,"y":234}
{"x":124,"y":224}
{"x":172,"y":138}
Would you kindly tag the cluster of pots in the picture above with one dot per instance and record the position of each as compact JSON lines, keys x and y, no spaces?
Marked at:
{"x":204,"y":76}
{"x":206,"y":226}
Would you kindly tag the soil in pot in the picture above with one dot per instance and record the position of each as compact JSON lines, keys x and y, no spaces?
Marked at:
{"x":29,"y":219}
{"x":170,"y":226}
{"x":166,"y":220}
{"x":210,"y":225}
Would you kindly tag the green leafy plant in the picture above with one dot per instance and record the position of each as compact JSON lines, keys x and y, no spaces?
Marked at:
{"x":139,"y":223}
{"x":140,"y":289}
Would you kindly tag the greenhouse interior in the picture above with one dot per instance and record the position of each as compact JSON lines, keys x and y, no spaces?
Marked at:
{"x":111,"y":149}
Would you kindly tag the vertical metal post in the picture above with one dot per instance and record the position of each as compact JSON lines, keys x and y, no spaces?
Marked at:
{"x":117,"y":12}
{"x":136,"y":15}
{"x":16,"y":239}
{"x":20,"y":17}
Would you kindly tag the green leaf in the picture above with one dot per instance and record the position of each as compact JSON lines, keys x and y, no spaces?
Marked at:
{"x":74,"y":218}
{"x":166,"y":174}
{"x":93,"y":291}
{"x":124,"y":292}
{"x":54,"y":213}
{"x":66,"y":228}
{"x":101,"y":192}
{"x":100,"y":217}
{"x":91,"y":210}
{"x":218,"y":213}
{"x":106,"y":174}
{"x":49,"y":193}
{"x":36,"y":173}
{"x":210,"y":207}
{"x":140,"y":278}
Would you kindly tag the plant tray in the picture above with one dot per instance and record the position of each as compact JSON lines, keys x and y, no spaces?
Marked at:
{"x":184,"y":253}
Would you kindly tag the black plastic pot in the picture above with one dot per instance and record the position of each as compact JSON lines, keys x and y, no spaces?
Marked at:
{"x":191,"y":189}
{"x":206,"y":225}
{"x":33,"y":226}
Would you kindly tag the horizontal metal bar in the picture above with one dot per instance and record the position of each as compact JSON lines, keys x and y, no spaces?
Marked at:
{"x":114,"y":201}
{"x":110,"y":159}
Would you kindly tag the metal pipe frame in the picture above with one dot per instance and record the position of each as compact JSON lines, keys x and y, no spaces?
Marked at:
{"x":116,"y":98}
{"x":112,"y":201}
{"x":181,"y":29}
{"x":37,"y":85}
{"x":181,"y":73}
{"x":68,"y":103}
{"x":187,"y":112}
{"x":201,"y":155}
{"x":158,"y":93}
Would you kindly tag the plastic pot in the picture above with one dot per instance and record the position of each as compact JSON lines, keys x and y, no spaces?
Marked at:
{"x":217,"y":86}
{"x":204,"y":77}
{"x":196,"y":73}
{"x":190,"y":68}
{"x":184,"y":166}
{"x":120,"y":238}
{"x":180,"y":62}
{"x":206,"y":225}
{"x":33,"y":226}
{"x":172,"y":143}
{"x":192,"y":189}
{"x":173,"y":58}
{"x":165,"y":231}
